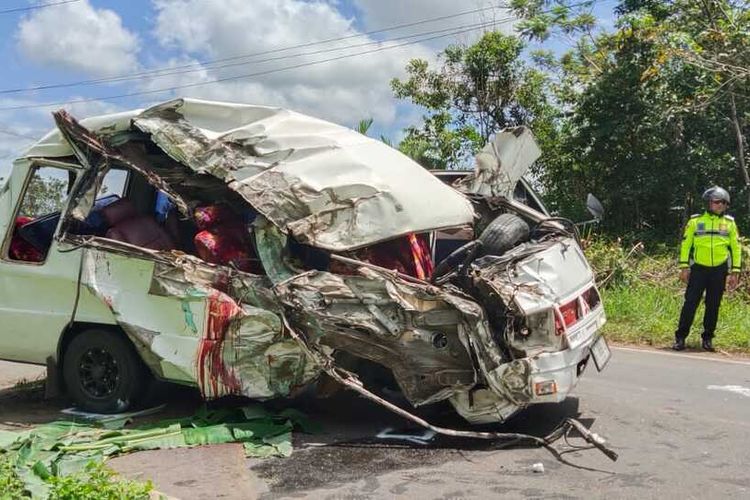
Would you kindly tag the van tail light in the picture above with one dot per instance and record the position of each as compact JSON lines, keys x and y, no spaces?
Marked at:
{"x":559,"y":324}
{"x":569,"y":312}
{"x":545,"y":388}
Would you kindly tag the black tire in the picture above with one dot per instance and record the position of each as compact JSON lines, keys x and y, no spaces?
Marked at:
{"x":103,"y":372}
{"x":503,"y":233}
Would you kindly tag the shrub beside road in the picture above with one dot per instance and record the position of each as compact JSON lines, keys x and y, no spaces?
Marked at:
{"x":643,"y":296}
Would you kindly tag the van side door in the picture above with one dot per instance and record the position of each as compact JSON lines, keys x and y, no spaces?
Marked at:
{"x":38,"y":281}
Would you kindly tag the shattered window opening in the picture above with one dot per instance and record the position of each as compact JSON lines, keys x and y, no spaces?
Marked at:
{"x":37,"y":214}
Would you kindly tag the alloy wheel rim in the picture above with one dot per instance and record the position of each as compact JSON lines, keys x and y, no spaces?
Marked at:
{"x":99,"y":373}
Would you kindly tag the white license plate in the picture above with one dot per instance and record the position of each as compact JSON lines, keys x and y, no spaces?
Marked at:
{"x":601,"y":353}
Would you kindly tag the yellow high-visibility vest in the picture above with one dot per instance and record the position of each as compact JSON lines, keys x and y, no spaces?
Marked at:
{"x":713,"y":239}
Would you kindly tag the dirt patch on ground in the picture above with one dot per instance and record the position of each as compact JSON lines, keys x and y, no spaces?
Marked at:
{"x":205,"y":472}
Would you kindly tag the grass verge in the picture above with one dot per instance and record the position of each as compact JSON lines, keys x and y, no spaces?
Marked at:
{"x":643,"y":296}
{"x":95,"y":482}
{"x":648,"y":316}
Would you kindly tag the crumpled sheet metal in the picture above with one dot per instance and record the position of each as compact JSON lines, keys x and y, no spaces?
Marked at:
{"x":501,"y":163}
{"x":408,"y":327}
{"x":542,"y":279}
{"x":192,"y":332}
{"x":326,"y":185}
{"x":425,"y":335}
{"x":53,"y":145}
{"x":510,"y":387}
{"x":97,"y":156}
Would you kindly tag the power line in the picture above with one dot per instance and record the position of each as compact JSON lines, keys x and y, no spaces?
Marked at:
{"x":287,"y":68}
{"x":173,"y":71}
{"x":206,"y":62}
{"x":16,"y":134}
{"x":238,"y":77}
{"x":38,"y":6}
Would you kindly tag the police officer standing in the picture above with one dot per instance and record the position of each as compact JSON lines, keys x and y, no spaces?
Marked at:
{"x":712,"y":239}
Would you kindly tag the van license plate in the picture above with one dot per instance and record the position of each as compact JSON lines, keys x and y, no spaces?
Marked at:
{"x":601,"y":353}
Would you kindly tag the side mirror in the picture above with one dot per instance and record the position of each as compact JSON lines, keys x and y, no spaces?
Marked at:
{"x":594,"y":206}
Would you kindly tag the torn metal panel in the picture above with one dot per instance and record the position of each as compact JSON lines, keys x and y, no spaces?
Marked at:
{"x":501,"y":164}
{"x":349,"y":380}
{"x":409,"y":328}
{"x":53,"y":145}
{"x":324,"y":184}
{"x":97,"y":156}
{"x":542,"y":275}
{"x":191,"y":332}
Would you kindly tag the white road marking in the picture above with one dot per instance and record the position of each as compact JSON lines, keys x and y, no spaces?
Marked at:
{"x":737,"y":389}
{"x":690,"y":356}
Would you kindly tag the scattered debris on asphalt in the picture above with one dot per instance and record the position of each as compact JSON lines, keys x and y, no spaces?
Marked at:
{"x":420,"y":439}
{"x":111,"y":420}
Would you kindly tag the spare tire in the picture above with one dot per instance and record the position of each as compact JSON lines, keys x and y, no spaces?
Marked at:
{"x":503,"y":233}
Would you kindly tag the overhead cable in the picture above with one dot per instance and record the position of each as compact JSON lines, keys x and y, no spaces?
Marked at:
{"x":36,"y":7}
{"x":172,"y":71}
{"x":237,"y":77}
{"x":199,"y":65}
{"x":17,"y":134}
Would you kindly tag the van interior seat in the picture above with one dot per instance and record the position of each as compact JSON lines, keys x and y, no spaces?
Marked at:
{"x":128,"y":225}
{"x":20,"y":249}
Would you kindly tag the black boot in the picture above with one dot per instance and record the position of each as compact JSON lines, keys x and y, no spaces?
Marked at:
{"x":679,"y":344}
{"x":708,"y":345}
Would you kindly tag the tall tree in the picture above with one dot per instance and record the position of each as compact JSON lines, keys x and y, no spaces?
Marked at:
{"x":657,"y":110}
{"x":478,"y":90}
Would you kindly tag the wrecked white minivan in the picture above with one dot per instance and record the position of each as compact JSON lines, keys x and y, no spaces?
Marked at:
{"x":245,"y":250}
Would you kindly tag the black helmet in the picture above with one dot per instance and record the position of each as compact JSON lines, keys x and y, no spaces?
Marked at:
{"x":716,"y":193}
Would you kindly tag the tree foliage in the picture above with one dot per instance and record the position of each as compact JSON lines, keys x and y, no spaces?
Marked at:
{"x":645,"y":115}
{"x":45,"y":193}
{"x":478,"y":90}
{"x":658,"y":111}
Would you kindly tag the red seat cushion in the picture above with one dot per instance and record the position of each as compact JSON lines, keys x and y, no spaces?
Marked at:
{"x":117,"y":212}
{"x":212,"y":215}
{"x":21,"y":249}
{"x":225,"y":244}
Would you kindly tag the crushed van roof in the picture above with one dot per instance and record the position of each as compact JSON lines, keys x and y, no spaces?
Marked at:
{"x":324,"y":184}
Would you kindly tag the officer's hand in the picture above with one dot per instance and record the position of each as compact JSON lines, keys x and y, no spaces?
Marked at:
{"x":732,"y":281}
{"x":684,"y":275}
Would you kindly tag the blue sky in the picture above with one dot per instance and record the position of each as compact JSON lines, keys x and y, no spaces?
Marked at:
{"x":103,"y":39}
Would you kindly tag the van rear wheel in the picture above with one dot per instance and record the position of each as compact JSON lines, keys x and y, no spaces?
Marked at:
{"x":102,"y":372}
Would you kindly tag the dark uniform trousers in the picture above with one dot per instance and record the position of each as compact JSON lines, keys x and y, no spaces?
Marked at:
{"x":711,"y":280}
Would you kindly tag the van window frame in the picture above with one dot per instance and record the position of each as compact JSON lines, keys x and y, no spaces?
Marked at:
{"x":35,"y":165}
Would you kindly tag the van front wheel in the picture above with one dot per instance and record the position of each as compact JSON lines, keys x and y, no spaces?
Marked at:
{"x":102,"y":372}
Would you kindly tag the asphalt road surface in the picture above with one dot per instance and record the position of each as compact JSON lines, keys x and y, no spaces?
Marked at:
{"x":679,"y":422}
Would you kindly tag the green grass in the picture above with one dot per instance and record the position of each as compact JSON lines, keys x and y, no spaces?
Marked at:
{"x":647,"y":315}
{"x":95,"y":482}
{"x":11,"y":486}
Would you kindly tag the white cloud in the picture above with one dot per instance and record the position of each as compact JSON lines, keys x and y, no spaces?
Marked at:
{"x":13,"y":140}
{"x":344,"y":90}
{"x":21,"y":128}
{"x":79,"y":37}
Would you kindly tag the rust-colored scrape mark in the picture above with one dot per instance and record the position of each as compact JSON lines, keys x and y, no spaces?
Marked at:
{"x":214,"y":378}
